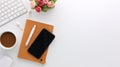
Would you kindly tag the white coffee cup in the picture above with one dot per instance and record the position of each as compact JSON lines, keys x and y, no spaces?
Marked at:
{"x":4,"y":37}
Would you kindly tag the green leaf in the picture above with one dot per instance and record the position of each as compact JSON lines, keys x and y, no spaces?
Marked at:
{"x":36,"y":3}
{"x":44,"y":8}
{"x":54,"y":1}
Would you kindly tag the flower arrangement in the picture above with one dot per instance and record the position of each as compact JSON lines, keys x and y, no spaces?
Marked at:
{"x":42,"y":5}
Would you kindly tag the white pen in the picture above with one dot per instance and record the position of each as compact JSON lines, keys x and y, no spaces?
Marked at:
{"x":30,"y":35}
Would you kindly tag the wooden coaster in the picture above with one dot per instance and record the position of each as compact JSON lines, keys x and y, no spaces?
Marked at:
{"x":23,"y":53}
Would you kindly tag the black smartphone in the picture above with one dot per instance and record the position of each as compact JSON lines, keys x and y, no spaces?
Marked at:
{"x":41,"y":43}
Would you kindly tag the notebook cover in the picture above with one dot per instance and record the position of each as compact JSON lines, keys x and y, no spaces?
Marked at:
{"x":23,"y":51}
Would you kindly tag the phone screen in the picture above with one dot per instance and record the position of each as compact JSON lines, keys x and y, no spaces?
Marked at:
{"x":41,"y":43}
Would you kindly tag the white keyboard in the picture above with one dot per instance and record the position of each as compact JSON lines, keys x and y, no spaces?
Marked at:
{"x":10,"y":9}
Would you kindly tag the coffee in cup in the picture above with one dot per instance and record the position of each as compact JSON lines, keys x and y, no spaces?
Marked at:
{"x":7,"y":40}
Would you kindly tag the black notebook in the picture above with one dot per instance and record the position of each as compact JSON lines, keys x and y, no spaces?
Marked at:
{"x":41,"y":43}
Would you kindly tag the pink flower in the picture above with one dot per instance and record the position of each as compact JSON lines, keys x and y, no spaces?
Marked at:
{"x":45,"y":1}
{"x":50,"y":4}
{"x":38,"y":8}
{"x":32,"y":4}
{"x":41,"y":3}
